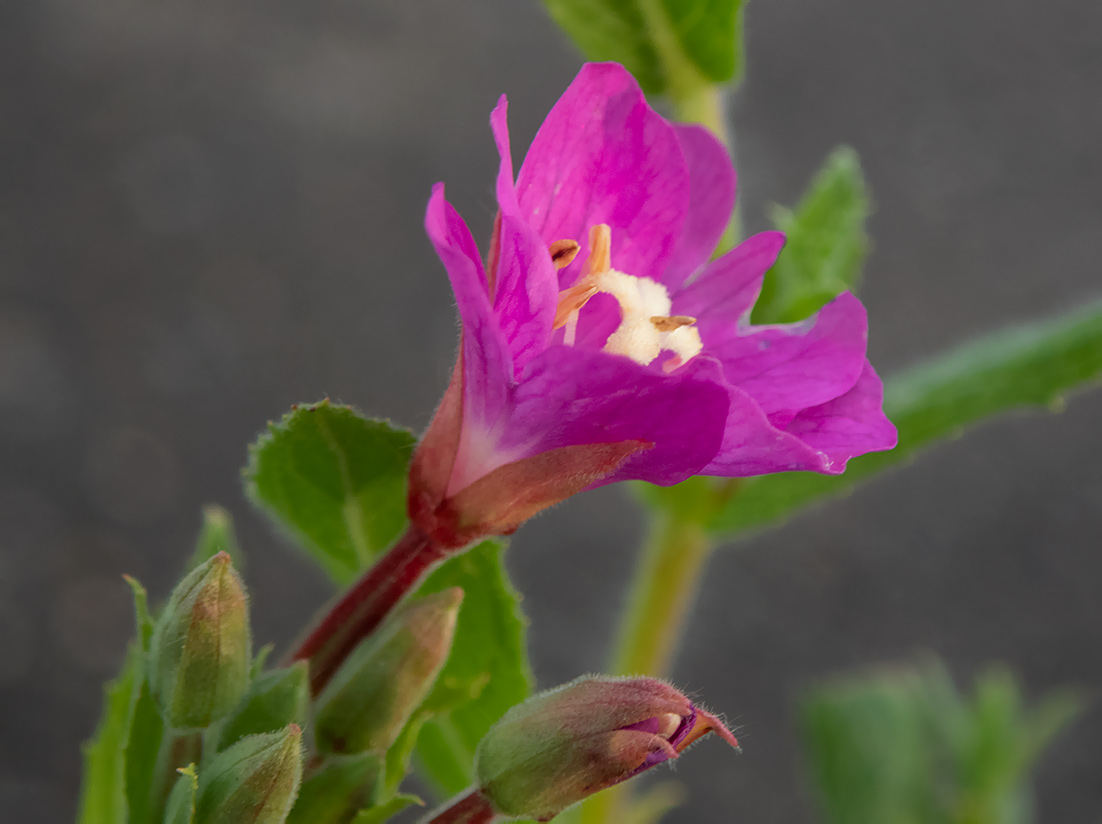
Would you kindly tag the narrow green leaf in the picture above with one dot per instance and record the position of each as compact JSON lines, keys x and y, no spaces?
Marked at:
{"x":487,"y":671}
{"x":400,"y":754}
{"x":142,"y":618}
{"x":335,"y":481}
{"x":109,"y":778}
{"x":826,"y":247}
{"x":180,"y":808}
{"x":274,"y":700}
{"x":102,"y":794}
{"x":216,"y":535}
{"x":1034,"y":365}
{"x":377,"y":815}
{"x":147,"y":729}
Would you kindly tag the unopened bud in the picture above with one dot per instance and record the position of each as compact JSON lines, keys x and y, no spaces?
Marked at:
{"x":201,"y":647}
{"x":253,"y":782}
{"x":563,"y":745}
{"x":372,"y":696}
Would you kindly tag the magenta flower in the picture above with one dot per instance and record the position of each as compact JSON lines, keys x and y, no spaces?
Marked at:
{"x":599,"y":344}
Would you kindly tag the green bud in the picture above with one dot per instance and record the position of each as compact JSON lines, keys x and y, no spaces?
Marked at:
{"x":253,"y":782}
{"x":200,"y":650}
{"x":372,"y":696}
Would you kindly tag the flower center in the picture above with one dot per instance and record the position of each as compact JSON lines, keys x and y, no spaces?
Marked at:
{"x":646,"y":326}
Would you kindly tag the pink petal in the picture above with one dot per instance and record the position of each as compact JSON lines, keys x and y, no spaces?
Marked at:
{"x":527,"y":290}
{"x":753,"y":446}
{"x":711,"y":201}
{"x":487,"y":363}
{"x":574,"y":396}
{"x":786,"y":369}
{"x":726,"y":291}
{"x":850,"y":425}
{"x":604,"y":156}
{"x":506,"y":189}
{"x":526,"y":286}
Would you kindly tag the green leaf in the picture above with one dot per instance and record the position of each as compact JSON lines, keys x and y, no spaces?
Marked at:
{"x":217,"y":535}
{"x":709,"y":33}
{"x":274,"y":700}
{"x":334,"y":480}
{"x":487,"y":671}
{"x":826,"y":247}
{"x":106,"y":784}
{"x":1033,"y":365}
{"x":102,"y":794}
{"x":147,"y":729}
{"x":664,"y":43}
{"x":337,"y":789}
{"x":142,"y":618}
{"x":180,"y":808}
{"x":612,"y":30}
{"x":401,"y":752}
{"x":377,"y":815}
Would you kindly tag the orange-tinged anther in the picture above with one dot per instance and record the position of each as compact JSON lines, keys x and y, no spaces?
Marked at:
{"x":571,"y":300}
{"x":664,"y":324}
{"x":600,"y":250}
{"x":563,"y":252}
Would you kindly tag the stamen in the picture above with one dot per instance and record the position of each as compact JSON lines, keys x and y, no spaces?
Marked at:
{"x":563,"y":252}
{"x":571,"y":300}
{"x":664,"y":324}
{"x":600,"y":250}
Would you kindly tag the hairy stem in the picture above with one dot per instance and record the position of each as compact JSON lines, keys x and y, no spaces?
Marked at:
{"x":366,"y":603}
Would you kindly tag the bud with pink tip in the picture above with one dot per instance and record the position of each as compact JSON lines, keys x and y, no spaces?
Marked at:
{"x":563,"y":745}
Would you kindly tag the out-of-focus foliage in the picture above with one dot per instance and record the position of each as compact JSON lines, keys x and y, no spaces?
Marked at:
{"x":905,"y":747}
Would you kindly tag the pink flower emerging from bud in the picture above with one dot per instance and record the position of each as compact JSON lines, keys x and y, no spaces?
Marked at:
{"x":600,"y":344}
{"x":561,"y":746}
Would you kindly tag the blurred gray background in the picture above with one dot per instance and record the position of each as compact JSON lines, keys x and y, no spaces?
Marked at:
{"x":211,"y":210}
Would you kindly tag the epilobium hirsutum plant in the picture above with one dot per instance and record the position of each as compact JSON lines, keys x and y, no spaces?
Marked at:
{"x":611,"y":330}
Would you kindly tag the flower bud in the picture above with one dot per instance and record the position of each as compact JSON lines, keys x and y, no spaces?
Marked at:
{"x":372,"y":696}
{"x":563,"y":745}
{"x":200,"y":650}
{"x":253,"y":782}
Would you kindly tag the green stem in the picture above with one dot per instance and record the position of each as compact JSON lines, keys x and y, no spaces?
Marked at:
{"x":666,"y":582}
{"x":665,"y":585}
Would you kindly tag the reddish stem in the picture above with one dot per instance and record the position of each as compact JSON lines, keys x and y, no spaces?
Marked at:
{"x":366,"y":604}
{"x":472,"y":808}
